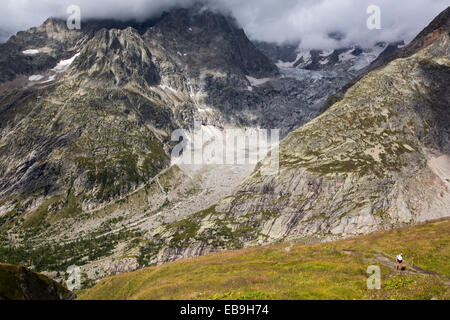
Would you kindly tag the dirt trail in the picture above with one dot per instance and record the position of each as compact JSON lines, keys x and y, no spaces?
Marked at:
{"x":408,"y":269}
{"x":389,"y":262}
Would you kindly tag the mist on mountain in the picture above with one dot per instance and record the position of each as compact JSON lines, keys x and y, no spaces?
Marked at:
{"x":272,"y":21}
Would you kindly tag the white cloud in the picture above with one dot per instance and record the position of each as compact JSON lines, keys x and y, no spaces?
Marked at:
{"x":312,"y":21}
{"x":286,"y":20}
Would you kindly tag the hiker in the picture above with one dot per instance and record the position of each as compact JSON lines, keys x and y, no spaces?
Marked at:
{"x":398,"y":265}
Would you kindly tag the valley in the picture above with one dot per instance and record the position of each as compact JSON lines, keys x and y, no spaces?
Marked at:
{"x":87,"y":175}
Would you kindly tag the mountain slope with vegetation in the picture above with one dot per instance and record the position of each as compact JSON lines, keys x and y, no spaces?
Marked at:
{"x":19,"y":283}
{"x":335,"y":270}
{"x":86,"y":121}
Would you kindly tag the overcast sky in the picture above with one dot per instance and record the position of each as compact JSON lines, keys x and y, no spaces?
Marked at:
{"x":271,"y":20}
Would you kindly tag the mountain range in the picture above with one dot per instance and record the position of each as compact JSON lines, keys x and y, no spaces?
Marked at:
{"x":86,"y":119}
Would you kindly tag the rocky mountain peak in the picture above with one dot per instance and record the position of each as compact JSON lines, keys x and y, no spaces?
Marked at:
{"x":206,"y":39}
{"x":440,"y":25}
{"x":117,"y":56}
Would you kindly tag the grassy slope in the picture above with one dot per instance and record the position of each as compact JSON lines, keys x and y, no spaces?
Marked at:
{"x":15,"y":279}
{"x":334,"y":270}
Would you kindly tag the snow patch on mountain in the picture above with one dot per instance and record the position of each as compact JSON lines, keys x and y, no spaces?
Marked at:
{"x":367,"y":57}
{"x":166,"y":87}
{"x":303,"y":58}
{"x":346,"y":56}
{"x":30,"y":52}
{"x":326,"y":53}
{"x":50,"y":79}
{"x":35,"y":77}
{"x":257,"y":82}
{"x":64,"y":65}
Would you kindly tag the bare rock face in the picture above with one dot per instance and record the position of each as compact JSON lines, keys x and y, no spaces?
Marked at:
{"x":118,"y":57}
{"x":202,"y":39}
{"x":121,"y":266}
{"x":19,"y":283}
{"x":439,"y":27}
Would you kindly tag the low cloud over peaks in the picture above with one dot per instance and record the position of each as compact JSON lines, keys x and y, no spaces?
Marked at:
{"x":308,"y":21}
{"x":311,"y":21}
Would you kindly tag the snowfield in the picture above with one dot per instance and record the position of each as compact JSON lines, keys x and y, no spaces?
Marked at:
{"x":30,"y":52}
{"x":64,"y":65}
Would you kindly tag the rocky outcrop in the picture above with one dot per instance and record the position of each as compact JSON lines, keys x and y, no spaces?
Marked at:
{"x":121,"y":266}
{"x":117,"y":57}
{"x":286,"y":52}
{"x":201,"y":39}
{"x":19,"y":283}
